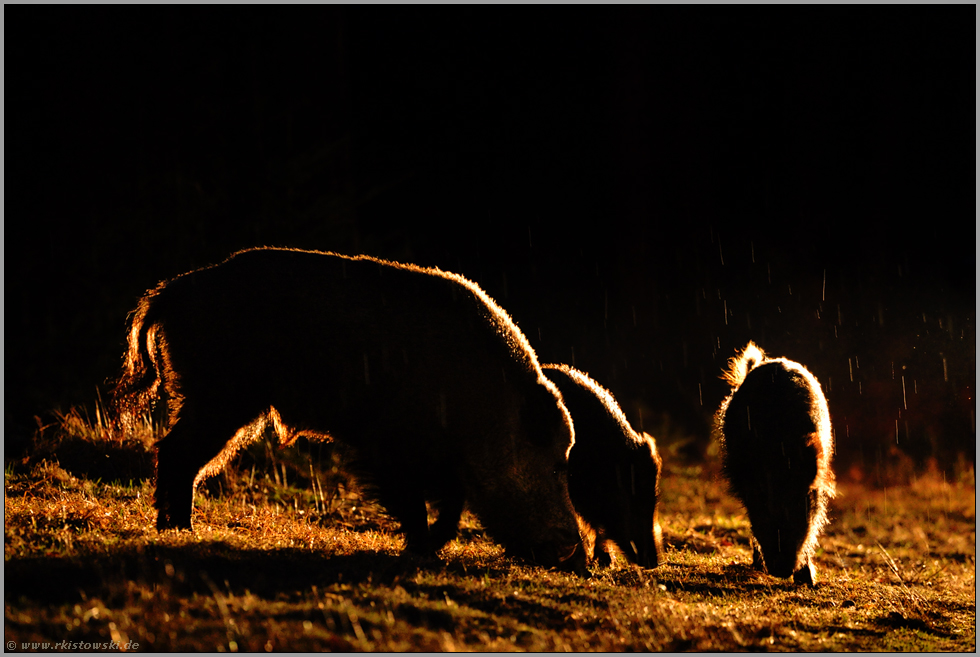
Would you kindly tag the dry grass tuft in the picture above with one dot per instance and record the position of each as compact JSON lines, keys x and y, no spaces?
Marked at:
{"x":287,"y":555}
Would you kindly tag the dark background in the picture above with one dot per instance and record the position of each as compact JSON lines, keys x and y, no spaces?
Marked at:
{"x":644,"y":189}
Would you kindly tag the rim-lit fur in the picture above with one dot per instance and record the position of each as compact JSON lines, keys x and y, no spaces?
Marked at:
{"x":276,"y":337}
{"x":614,"y":472}
{"x":794,"y":418}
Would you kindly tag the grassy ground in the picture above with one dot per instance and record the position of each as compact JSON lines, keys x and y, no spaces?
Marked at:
{"x":287,"y":556}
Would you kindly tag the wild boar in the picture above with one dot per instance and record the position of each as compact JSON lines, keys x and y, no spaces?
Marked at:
{"x":417,"y":370}
{"x":775,"y":431}
{"x":613,"y":472}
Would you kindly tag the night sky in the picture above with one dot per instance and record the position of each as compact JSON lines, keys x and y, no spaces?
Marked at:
{"x":644,"y":189}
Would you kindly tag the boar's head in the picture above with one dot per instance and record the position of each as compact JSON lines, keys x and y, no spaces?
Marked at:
{"x":785,"y":508}
{"x":634,"y":525}
{"x":519,"y":485}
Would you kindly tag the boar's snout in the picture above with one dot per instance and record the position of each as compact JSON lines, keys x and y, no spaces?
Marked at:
{"x":648,"y":554}
{"x":645,"y":549}
{"x":565,"y":552}
{"x":781,"y":567}
{"x":780,"y":552}
{"x":572,"y":558}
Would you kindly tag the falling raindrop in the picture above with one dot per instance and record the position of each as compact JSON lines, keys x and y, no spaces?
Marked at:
{"x":823,"y":292}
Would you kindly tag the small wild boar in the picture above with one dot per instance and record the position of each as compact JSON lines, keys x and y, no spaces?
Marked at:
{"x":423,"y":375}
{"x":613,"y":472}
{"x":775,"y":431}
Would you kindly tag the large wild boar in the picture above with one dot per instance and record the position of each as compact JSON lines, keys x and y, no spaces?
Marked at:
{"x":775,"y":431}
{"x":613,"y":472}
{"x":422,"y":374}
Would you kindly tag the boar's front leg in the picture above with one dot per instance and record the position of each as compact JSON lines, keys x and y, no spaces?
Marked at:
{"x":601,"y":554}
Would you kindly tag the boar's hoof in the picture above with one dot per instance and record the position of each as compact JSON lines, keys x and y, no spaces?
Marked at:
{"x":428,"y":550}
{"x":806,"y":575}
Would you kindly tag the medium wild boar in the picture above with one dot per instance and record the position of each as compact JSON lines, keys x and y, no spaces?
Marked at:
{"x":613,"y":472}
{"x":775,"y":431}
{"x":423,"y":375}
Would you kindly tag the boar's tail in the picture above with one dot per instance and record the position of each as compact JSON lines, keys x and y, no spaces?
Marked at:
{"x":136,"y":388}
{"x":743,"y":363}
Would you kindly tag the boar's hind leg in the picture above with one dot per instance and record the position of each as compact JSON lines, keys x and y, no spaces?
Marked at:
{"x":180,"y":455}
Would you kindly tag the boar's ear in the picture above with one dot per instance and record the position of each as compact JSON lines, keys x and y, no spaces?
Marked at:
{"x":649,"y":441}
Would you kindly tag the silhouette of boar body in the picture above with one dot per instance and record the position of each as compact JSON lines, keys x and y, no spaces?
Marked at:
{"x":613,"y":472}
{"x":417,"y":370}
{"x":775,"y":429}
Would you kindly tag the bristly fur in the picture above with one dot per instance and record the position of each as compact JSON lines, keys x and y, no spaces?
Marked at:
{"x":742,"y":363}
{"x":417,"y":370}
{"x":741,"y":464}
{"x":613,"y":472}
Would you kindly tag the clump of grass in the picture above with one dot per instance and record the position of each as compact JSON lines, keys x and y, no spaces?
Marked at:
{"x":92,"y":448}
{"x":287,"y":554}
